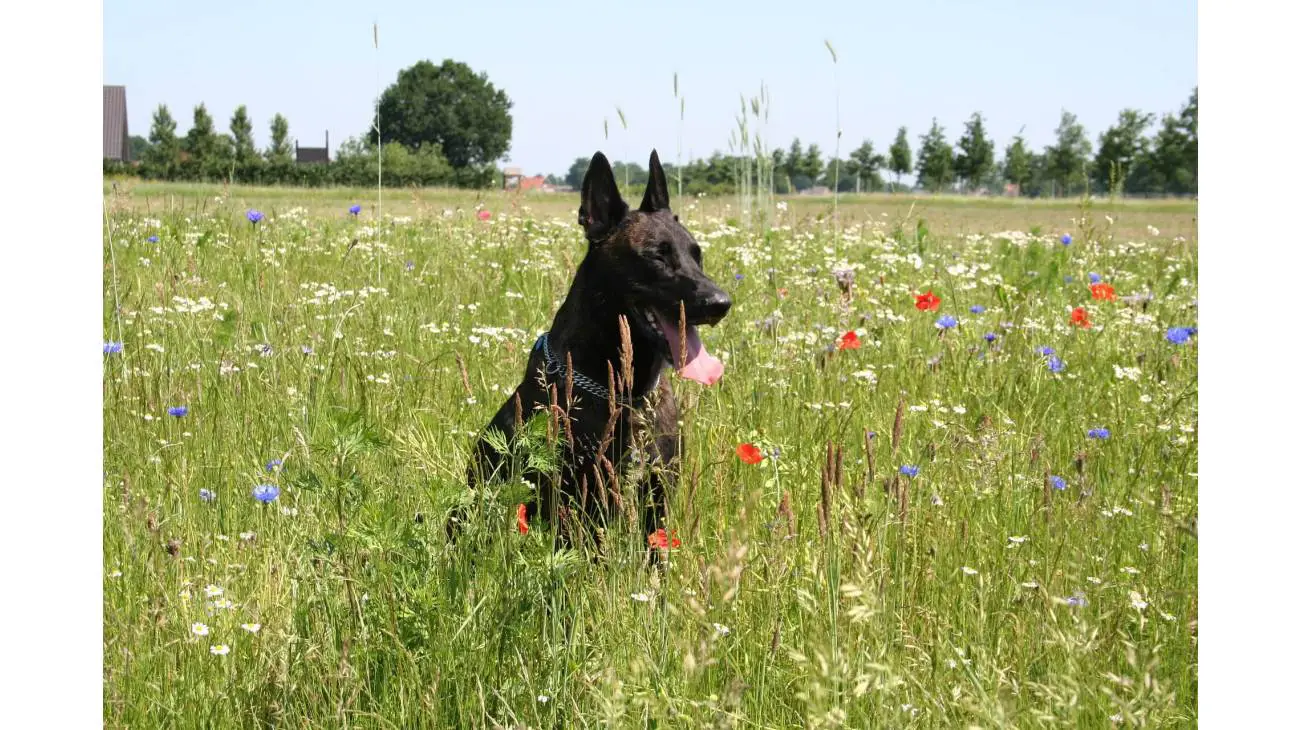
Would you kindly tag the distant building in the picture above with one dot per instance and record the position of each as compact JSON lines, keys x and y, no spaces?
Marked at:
{"x":512,"y":178}
{"x":308,"y":155}
{"x":117,"y":141}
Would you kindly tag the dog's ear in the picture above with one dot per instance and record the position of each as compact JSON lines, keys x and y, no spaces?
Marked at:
{"x":656,"y":190}
{"x":601,"y":208}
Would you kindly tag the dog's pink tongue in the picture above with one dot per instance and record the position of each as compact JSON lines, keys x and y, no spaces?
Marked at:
{"x":700,"y":365}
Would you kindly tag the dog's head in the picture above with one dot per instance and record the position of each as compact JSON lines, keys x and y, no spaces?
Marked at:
{"x":656,"y":264}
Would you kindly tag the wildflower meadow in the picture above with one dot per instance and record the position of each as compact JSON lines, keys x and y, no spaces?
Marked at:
{"x":948,"y":478}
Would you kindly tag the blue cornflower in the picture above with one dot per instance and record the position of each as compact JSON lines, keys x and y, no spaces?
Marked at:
{"x":306,"y":350}
{"x":739,"y":277}
{"x":871,"y":434}
{"x":909,"y":470}
{"x":1069,"y":279}
{"x":355,"y":210}
{"x":178,"y":411}
{"x":266,"y":493}
{"x":112,"y":348}
{"x":1180,"y":335}
{"x":1045,"y":351}
{"x":1054,"y":364}
{"x":410,"y":266}
{"x":1078,"y":600}
{"x":946,"y":321}
{"x":274,"y":464}
{"x":1094,"y":278}
{"x":1057,"y":483}
{"x":1099,"y":433}
{"x":977,"y":309}
{"x":1066,"y":240}
{"x":254,"y":215}
{"x":153,"y":239}
{"x":990,"y":336}
{"x":207,"y":495}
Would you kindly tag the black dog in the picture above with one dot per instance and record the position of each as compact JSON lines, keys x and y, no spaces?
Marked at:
{"x":641,"y":286}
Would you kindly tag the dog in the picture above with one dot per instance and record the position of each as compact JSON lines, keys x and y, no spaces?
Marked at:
{"x":641,"y":287}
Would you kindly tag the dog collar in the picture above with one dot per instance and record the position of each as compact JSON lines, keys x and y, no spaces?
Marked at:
{"x":552,"y":366}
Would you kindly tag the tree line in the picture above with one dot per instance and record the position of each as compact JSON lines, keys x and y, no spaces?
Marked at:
{"x":445,"y":125}
{"x":1129,"y":159}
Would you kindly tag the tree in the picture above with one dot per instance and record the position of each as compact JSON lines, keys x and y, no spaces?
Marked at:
{"x":139,"y":147}
{"x":244,"y":152}
{"x":448,"y":105}
{"x":900,"y":155}
{"x":863,"y":167}
{"x":280,"y":153}
{"x":577,"y":171}
{"x":934,"y":164}
{"x":1119,"y":148}
{"x":163,"y":157}
{"x":1017,"y":162}
{"x":793,"y":163}
{"x":208,"y":151}
{"x":974,"y":162}
{"x":1067,"y":160}
{"x":811,"y":168}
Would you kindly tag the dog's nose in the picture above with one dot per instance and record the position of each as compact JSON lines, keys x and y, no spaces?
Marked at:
{"x":715,"y":307}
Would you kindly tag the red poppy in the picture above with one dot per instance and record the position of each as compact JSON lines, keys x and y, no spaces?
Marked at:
{"x":1103,"y":291}
{"x":849,"y":341}
{"x":927,"y":302}
{"x":660,"y":539}
{"x":1080,"y":317}
{"x":484,"y":214}
{"x":521,"y":518}
{"x":749,"y":453}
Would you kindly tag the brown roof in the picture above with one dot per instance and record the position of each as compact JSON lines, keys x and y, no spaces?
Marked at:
{"x":117,"y":145}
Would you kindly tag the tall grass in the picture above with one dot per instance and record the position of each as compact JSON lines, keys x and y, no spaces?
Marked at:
{"x":819,"y":587}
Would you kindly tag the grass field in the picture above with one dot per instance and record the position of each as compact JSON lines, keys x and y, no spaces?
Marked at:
{"x":1035,"y":571}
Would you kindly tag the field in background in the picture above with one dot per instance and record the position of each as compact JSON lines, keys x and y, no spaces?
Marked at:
{"x":1035,"y":571}
{"x":944,"y":214}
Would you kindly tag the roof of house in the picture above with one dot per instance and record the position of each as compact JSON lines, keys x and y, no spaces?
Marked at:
{"x":116,"y":145}
{"x":313,"y":154}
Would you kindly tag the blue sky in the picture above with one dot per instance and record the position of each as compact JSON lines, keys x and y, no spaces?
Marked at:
{"x":567,"y":65}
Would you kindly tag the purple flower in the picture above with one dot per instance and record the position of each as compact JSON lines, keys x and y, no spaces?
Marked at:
{"x":1078,"y":600}
{"x":1068,"y":279}
{"x":178,"y":411}
{"x":254,"y":215}
{"x":977,"y":309}
{"x":410,"y":266}
{"x":1045,"y":351}
{"x":266,"y":493}
{"x":1094,"y":278}
{"x":207,"y":495}
{"x":355,"y":210}
{"x":153,"y":239}
{"x":946,"y":321}
{"x":1099,"y":433}
{"x":306,"y":350}
{"x":739,"y":277}
{"x":1180,"y":335}
{"x":1054,"y":364}
{"x":274,"y":464}
{"x":1057,"y":483}
{"x":990,"y":336}
{"x":909,"y":471}
{"x":112,"y":348}
{"x":1066,"y":240}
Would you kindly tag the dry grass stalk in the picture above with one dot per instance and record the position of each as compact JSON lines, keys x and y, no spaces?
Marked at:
{"x":898,"y":426}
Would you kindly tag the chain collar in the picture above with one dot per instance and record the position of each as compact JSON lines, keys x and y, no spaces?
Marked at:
{"x":552,"y":366}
